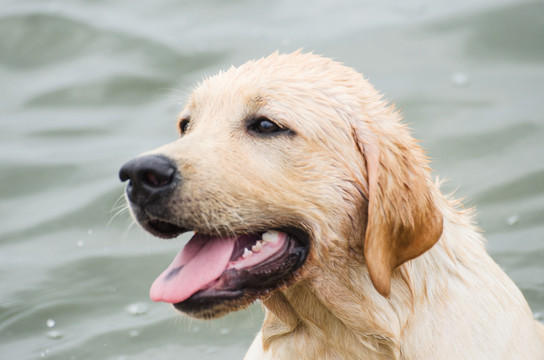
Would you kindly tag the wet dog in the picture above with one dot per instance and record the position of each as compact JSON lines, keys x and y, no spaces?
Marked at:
{"x":306,"y":191}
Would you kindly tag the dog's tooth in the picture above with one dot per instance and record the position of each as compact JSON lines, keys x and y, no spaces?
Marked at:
{"x":247,"y":253}
{"x":257,"y":247}
{"x":271,"y":236}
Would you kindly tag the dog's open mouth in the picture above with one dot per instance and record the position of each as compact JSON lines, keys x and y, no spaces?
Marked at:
{"x":210,"y":269}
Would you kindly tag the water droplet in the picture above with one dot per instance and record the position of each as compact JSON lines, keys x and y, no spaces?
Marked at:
{"x":80,"y":243}
{"x":513,"y":220}
{"x":225,"y":331}
{"x":54,"y":334}
{"x":459,"y":79}
{"x":50,"y":323}
{"x":539,"y":316}
{"x":90,"y":231}
{"x":137,"y":309}
{"x":44,"y":353}
{"x":134,"y":333}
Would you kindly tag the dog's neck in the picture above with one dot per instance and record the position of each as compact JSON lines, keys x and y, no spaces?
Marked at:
{"x":340,"y":307}
{"x":297,"y":315}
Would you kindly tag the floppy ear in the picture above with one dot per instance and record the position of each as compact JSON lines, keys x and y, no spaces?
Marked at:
{"x":403,"y":221}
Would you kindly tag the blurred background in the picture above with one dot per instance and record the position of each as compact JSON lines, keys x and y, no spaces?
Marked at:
{"x":86,"y":85}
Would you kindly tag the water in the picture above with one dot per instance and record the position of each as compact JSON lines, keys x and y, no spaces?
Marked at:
{"x":86,"y":85}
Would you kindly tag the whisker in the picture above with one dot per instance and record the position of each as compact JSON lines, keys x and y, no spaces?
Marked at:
{"x":115,"y":205}
{"x":129,"y":227}
{"x":121,"y":210}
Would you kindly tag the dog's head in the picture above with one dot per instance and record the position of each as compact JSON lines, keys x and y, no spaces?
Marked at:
{"x":282,"y":163}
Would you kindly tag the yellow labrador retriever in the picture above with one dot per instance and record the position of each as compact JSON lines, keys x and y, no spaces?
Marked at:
{"x":305,"y":191}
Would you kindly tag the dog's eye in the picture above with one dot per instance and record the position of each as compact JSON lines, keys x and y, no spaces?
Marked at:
{"x":183,"y":125}
{"x":263,"y":125}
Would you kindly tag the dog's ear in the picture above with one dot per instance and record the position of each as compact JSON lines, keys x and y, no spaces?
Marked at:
{"x":403,"y":220}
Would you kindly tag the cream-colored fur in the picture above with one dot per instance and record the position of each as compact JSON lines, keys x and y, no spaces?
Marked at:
{"x":396,"y":269}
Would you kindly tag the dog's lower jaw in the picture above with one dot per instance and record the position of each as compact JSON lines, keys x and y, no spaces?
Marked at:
{"x":219,"y":310}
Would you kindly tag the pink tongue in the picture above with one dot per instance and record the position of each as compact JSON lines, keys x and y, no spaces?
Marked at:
{"x":200,"y":262}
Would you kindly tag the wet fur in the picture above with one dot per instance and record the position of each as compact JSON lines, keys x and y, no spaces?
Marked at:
{"x":396,"y":269}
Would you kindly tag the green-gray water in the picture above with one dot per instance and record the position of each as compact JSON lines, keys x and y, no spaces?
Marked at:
{"x":86,"y":85}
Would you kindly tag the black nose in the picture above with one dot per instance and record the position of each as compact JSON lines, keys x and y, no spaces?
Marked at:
{"x":150,"y":177}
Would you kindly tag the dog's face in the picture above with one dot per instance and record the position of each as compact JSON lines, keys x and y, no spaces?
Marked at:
{"x":272,"y":174}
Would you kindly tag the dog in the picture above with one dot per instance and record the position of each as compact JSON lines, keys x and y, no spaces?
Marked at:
{"x":305,"y":191}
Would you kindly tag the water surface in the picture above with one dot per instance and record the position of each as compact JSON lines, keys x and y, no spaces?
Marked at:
{"x":86,"y":85}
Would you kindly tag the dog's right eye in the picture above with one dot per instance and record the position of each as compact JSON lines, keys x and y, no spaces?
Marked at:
{"x":263,"y":125}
